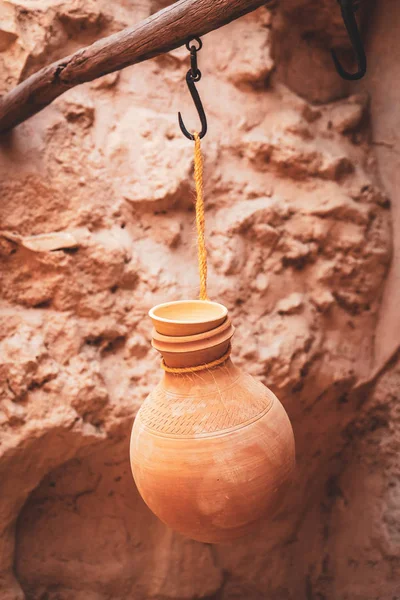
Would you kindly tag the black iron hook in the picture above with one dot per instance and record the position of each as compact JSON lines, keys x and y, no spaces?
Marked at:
{"x":192,"y":76}
{"x":348,"y":8}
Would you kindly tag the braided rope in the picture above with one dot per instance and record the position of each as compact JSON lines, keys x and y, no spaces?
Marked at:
{"x":200,"y":219}
{"x":202,"y":257}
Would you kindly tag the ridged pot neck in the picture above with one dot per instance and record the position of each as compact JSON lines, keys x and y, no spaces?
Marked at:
{"x":189,"y":333}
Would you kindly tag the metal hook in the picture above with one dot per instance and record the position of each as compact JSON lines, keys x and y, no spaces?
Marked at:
{"x":192,"y":76}
{"x":348,"y":8}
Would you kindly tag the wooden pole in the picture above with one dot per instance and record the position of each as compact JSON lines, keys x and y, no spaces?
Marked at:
{"x":165,"y":30}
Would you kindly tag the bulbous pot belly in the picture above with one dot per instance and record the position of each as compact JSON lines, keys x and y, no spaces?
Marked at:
{"x":214,"y":487}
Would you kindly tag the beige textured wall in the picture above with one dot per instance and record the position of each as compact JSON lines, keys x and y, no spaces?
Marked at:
{"x":299,"y":229}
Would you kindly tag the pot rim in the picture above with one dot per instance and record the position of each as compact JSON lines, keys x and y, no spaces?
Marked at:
{"x":205,"y":335}
{"x":213,"y":317}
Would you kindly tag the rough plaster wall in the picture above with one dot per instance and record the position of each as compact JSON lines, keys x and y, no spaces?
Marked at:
{"x":299,"y":234}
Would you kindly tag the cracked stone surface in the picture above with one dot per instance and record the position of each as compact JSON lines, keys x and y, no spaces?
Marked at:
{"x":97,"y":226}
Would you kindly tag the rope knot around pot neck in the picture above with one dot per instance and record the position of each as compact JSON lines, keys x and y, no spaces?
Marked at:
{"x":182,"y":370}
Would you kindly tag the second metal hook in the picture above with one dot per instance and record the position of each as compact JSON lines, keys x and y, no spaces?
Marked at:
{"x":347,"y":8}
{"x":192,"y":76}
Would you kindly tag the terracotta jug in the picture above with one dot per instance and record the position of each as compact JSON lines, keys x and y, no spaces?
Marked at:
{"x":212,"y":450}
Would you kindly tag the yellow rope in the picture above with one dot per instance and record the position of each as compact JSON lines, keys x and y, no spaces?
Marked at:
{"x":200,"y":220}
{"x":210,"y":365}
{"x":202,"y":257}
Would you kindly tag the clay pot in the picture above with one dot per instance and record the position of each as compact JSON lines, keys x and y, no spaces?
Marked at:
{"x":212,"y":451}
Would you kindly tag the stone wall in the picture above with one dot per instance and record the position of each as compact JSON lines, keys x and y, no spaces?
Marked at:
{"x":97,"y":226}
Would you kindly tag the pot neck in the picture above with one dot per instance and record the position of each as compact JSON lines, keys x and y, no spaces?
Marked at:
{"x":191,"y":351}
{"x":202,"y":381}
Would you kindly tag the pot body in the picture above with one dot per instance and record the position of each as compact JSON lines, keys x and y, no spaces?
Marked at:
{"x":212,"y":452}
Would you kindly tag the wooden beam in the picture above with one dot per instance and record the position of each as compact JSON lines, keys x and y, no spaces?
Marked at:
{"x":165,"y":30}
